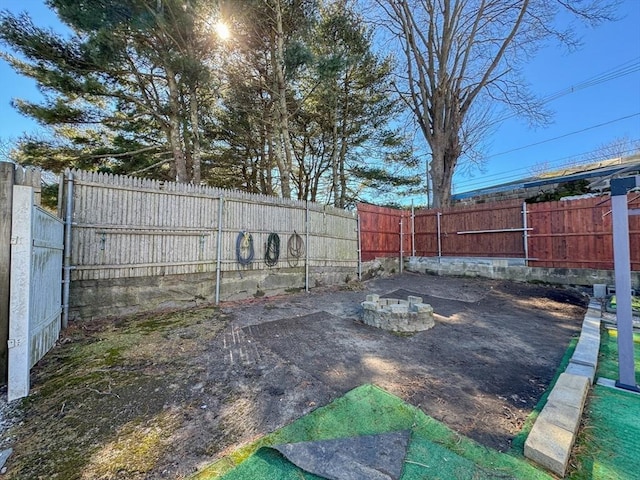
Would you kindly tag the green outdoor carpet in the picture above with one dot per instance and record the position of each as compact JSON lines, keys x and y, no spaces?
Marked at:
{"x":610,"y":445}
{"x":608,"y":358}
{"x":614,"y":433}
{"x":434,"y":451}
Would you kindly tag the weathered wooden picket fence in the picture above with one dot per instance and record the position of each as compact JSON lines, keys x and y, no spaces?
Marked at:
{"x":126,"y":228}
{"x":36,"y":288}
{"x":31,"y":245}
{"x":10,"y":175}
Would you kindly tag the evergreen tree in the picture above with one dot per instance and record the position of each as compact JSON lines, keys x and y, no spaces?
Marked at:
{"x":124,"y":92}
{"x":347,"y":142}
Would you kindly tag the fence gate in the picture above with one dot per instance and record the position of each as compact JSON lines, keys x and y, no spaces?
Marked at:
{"x":35,"y":298}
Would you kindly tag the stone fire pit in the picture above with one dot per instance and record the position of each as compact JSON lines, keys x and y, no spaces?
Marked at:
{"x":410,"y":315}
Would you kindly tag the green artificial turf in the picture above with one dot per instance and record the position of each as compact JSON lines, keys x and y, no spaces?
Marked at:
{"x":434,"y":451}
{"x":608,"y":447}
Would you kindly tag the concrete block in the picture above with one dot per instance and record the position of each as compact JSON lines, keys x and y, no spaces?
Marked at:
{"x":412,"y":300}
{"x":584,"y":357}
{"x":568,"y":396}
{"x":373,"y":297}
{"x":586,"y":353}
{"x":570,"y":390}
{"x":587,"y":371}
{"x":397,"y":308}
{"x":594,"y":313}
{"x":590,"y":335}
{"x":594,"y":304}
{"x":549,"y":446}
{"x":423,"y":308}
{"x":562,"y":415}
{"x":575,"y":382}
{"x":599,"y":290}
{"x":591,"y":321}
{"x":590,"y":330}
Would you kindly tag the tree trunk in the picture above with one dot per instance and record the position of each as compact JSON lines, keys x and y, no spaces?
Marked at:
{"x":196,"y":152}
{"x":344,"y":140}
{"x":445,"y":155}
{"x":335,"y":183}
{"x":174,"y":129}
{"x":269,"y":162}
{"x":285,"y":155}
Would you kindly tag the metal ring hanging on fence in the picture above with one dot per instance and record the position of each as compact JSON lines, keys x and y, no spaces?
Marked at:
{"x":244,"y":248}
{"x":272,"y":250}
{"x":295,"y":249}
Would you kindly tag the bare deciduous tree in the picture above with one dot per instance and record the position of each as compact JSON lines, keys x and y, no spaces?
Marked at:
{"x":6,"y":147}
{"x":454,"y":52}
{"x":619,"y":147}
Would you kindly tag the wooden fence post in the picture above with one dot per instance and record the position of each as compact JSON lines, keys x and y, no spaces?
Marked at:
{"x":6,"y":204}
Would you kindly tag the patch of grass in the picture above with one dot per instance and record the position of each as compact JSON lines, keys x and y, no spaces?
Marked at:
{"x":101,"y":401}
{"x":608,"y":357}
{"x":135,"y":449}
{"x":608,"y":443}
{"x":294,"y":290}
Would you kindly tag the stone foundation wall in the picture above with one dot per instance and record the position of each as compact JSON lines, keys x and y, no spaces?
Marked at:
{"x":513,"y":269}
{"x":380,"y":267}
{"x":91,"y":299}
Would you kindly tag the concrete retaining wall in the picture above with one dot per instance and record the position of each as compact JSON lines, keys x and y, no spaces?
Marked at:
{"x":512,"y":269}
{"x":554,"y":432}
{"x":90,"y":299}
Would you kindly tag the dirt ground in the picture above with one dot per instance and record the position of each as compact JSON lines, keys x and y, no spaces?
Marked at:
{"x":160,"y":396}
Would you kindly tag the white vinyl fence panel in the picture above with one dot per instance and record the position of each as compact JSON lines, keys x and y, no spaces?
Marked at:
{"x":35,"y":298}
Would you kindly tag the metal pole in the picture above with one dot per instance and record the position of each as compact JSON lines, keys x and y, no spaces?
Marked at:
{"x":622,"y":265}
{"x":66,"y":280}
{"x":219,"y":248}
{"x":306,"y":250}
{"x":525,"y":235}
{"x":401,"y":242}
{"x":359,"y":250}
{"x":413,"y":231}
{"x":439,"y":239}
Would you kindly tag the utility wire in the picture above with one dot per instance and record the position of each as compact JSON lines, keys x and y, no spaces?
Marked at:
{"x":626,"y":68}
{"x":505,"y":177}
{"x":565,"y":135}
{"x":621,"y":70}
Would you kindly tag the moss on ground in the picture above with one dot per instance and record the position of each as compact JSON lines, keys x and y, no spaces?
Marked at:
{"x":106,"y":398}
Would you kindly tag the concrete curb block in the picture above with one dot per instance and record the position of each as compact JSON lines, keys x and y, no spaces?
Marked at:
{"x":552,"y":437}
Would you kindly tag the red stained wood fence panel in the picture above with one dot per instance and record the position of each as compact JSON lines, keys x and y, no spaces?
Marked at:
{"x":474,"y":231}
{"x":578,"y":234}
{"x":564,"y":234}
{"x":380,"y":231}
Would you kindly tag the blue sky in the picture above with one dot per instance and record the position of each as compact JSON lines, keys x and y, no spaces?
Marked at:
{"x":604,"y":49}
{"x":597,"y":112}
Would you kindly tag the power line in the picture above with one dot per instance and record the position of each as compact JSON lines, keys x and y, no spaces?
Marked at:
{"x":625,"y":68}
{"x":565,"y":135}
{"x":513,"y":175}
{"x":621,"y":70}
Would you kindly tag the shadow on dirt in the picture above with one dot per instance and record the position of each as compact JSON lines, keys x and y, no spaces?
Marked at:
{"x":157,"y":396}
